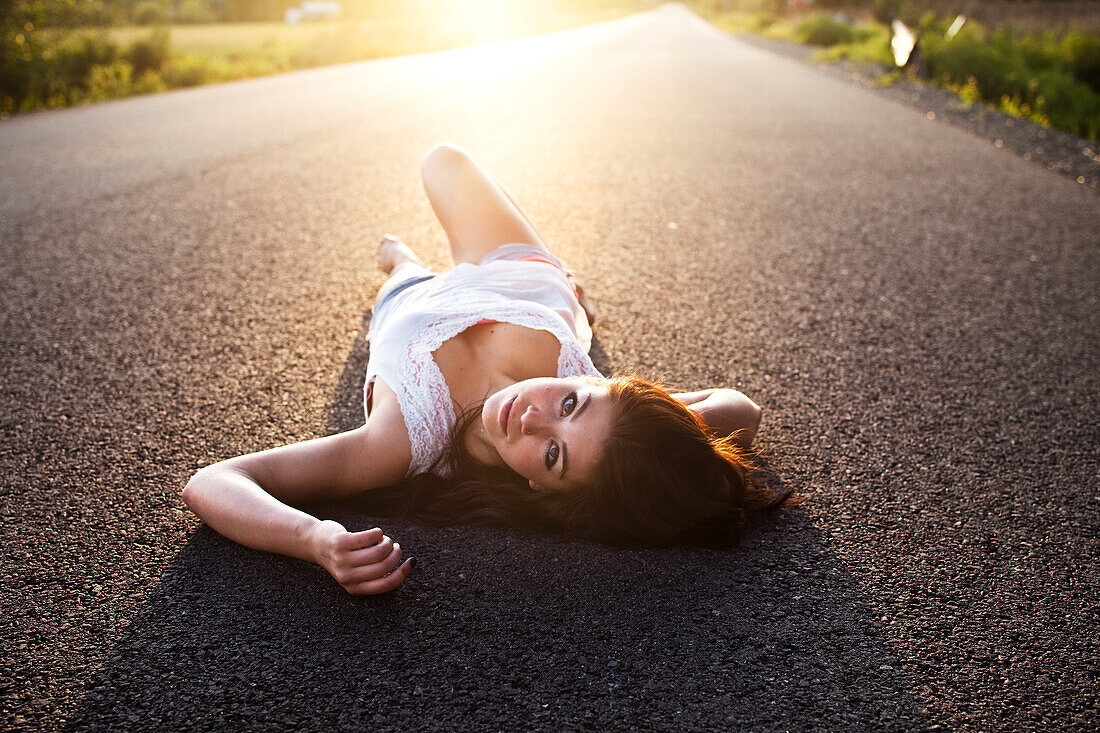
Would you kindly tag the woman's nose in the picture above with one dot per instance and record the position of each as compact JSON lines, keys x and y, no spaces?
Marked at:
{"x":531,"y":421}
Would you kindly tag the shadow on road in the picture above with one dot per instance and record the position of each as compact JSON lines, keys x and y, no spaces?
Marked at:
{"x":346,"y":408}
{"x":505,"y":629}
{"x":501,"y":629}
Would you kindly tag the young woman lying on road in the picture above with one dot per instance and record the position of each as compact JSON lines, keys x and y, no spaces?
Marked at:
{"x":483,"y":407}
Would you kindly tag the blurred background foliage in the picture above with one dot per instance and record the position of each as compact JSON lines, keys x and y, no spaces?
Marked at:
{"x":1034,"y":59}
{"x":58,"y":53}
{"x":1050,"y":78}
{"x":1037,"y":59}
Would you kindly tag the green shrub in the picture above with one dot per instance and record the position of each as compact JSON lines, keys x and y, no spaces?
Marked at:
{"x":1038,"y":77}
{"x":148,"y":83}
{"x":106,"y":81}
{"x":864,"y":33}
{"x":1067,"y":103}
{"x":150,"y":12}
{"x":195,"y":11}
{"x":150,"y":54}
{"x":870,"y":45}
{"x":1082,"y":56}
{"x":1034,"y":52}
{"x":763,"y":22}
{"x":61,"y":67}
{"x":930,"y":24}
{"x":955,"y":61}
{"x":187,"y":70}
{"x":77,"y":53}
{"x":884,"y":11}
{"x":818,"y":29}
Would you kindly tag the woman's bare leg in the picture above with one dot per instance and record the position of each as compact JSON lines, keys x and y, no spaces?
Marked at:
{"x":476,"y":213}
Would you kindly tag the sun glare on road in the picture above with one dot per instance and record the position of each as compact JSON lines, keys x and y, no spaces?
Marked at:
{"x":476,"y":27}
{"x":485,"y":20}
{"x":480,"y":21}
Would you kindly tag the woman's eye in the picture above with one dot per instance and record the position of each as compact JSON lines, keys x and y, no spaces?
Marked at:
{"x":551,"y":456}
{"x":569,"y":404}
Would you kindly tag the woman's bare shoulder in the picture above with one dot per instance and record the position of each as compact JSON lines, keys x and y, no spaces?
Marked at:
{"x":387,"y":431}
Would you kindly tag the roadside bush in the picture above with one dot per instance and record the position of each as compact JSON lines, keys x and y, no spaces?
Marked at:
{"x":764,"y":21}
{"x":150,"y":54}
{"x":150,"y":12}
{"x":818,"y":29}
{"x":884,"y":11}
{"x":77,"y":53}
{"x":1034,"y":51}
{"x":106,"y":81}
{"x":17,"y":77}
{"x":1034,"y":77}
{"x":148,"y":83}
{"x":871,"y":45}
{"x":930,"y":24}
{"x":187,"y":70}
{"x":1082,"y":55}
{"x":1067,"y":103}
{"x":195,"y":11}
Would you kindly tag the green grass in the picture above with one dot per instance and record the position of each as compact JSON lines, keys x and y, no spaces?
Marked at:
{"x":870,"y":46}
{"x":765,"y":25}
{"x":819,"y":29}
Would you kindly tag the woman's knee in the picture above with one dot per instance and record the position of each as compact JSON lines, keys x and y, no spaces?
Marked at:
{"x":444,"y":158}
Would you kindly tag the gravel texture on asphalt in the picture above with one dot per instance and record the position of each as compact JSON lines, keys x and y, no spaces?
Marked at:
{"x":187,"y":277}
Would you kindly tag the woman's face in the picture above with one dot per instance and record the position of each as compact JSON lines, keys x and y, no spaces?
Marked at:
{"x":550,"y":431}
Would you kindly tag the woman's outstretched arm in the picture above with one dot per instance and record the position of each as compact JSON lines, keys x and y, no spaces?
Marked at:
{"x":248,"y":499}
{"x":726,"y":411}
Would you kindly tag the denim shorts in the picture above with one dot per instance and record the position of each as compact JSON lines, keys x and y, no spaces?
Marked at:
{"x":400,"y":287}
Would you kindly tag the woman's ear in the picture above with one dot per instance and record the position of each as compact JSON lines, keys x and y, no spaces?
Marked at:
{"x":534,"y":486}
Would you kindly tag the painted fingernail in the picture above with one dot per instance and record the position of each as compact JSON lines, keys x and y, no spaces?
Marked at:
{"x":412,"y":563}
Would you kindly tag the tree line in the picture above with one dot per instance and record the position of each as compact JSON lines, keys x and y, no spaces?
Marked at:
{"x":75,"y":13}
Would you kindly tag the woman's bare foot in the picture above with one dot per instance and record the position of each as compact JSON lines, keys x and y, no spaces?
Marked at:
{"x":392,"y":252}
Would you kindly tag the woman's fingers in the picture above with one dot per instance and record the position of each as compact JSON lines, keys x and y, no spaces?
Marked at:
{"x":387,"y":582}
{"x":355,"y":540}
{"x":369,"y":555}
{"x":377,"y":569}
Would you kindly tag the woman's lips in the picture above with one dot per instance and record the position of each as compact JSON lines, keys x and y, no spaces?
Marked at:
{"x":505,"y":413}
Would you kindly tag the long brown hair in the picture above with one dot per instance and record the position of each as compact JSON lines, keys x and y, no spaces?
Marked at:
{"x":663,"y":479}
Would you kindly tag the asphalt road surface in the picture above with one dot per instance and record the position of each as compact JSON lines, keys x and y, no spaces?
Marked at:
{"x":185,"y":277}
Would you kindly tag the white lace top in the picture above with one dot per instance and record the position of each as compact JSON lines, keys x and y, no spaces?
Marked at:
{"x":406,"y":329}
